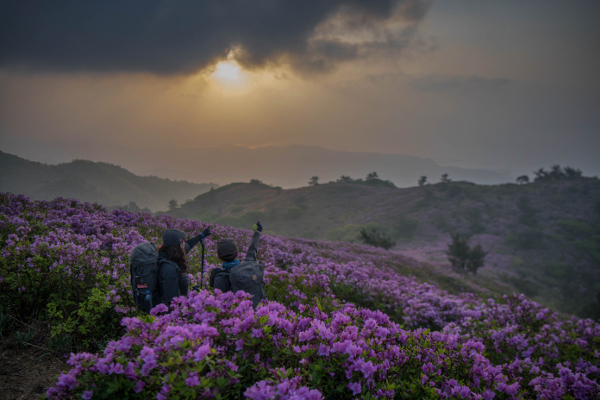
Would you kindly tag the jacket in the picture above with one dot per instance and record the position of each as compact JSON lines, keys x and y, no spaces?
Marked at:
{"x":171,"y":281}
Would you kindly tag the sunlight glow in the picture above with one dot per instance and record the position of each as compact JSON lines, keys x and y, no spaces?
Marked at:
{"x":229,"y":75}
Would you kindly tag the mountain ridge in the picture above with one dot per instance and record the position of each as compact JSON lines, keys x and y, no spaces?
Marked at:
{"x":104,"y":183}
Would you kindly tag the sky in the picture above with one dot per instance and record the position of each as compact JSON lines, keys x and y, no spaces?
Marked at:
{"x":500,"y":85}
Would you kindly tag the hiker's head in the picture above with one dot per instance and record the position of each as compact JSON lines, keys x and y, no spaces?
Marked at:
{"x":174,"y":247}
{"x":175,"y":237}
{"x":227,"y":250}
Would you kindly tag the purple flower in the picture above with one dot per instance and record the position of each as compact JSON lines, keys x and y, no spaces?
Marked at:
{"x":355,"y":388}
{"x":159,"y":309}
{"x":323,"y":350}
{"x":202,"y":352}
{"x":192,"y":380}
{"x":87,"y":395}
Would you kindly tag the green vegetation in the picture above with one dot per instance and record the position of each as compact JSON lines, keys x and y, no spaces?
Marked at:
{"x":404,"y":228}
{"x":292,"y":213}
{"x":527,"y":212}
{"x":530,"y":239}
{"x":556,"y":173}
{"x":244,"y":221}
{"x":374,"y":238}
{"x":463,"y":257}
{"x":539,"y":222}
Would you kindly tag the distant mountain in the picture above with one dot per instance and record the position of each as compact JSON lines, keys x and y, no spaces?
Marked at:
{"x":292,"y":166}
{"x":103,"y":183}
{"x":285,"y":166}
{"x":543,"y":238}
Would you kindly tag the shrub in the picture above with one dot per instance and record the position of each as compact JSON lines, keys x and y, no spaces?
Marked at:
{"x":374,"y":238}
{"x":463,"y":257}
{"x":331,"y":355}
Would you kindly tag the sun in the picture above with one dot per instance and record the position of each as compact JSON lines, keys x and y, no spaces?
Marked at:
{"x":229,"y":75}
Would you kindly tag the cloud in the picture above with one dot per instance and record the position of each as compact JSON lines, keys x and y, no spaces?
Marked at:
{"x":443,"y":84}
{"x":175,"y":37}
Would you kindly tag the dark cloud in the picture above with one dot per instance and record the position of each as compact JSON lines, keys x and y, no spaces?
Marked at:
{"x":181,"y":36}
{"x":438,"y":83}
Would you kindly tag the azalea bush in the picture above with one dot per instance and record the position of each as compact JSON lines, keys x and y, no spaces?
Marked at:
{"x":218,"y":346}
{"x":340,"y":322}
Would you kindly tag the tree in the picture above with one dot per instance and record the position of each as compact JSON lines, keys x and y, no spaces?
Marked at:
{"x":345,"y":179}
{"x":131,"y":207}
{"x":173,"y":204}
{"x":255,"y":182}
{"x":314,"y":181}
{"x":373,"y":238}
{"x":540,"y":175}
{"x":422,"y":180}
{"x":458,"y":251}
{"x":463,"y":257}
{"x":445,"y":179}
{"x":522,"y":179}
{"x":572,"y":173}
{"x":556,"y":173}
{"x":476,"y":259}
{"x":371,"y":176}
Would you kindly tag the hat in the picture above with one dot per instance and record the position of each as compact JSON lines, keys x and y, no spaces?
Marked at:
{"x":226,"y":249}
{"x":173,"y":237}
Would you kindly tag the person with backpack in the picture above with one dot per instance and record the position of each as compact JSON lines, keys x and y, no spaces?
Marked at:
{"x":247,"y":275}
{"x":158,"y":275}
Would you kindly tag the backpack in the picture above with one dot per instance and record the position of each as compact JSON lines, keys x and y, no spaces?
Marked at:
{"x":144,"y":275}
{"x":249,"y":277}
{"x":213,"y":273}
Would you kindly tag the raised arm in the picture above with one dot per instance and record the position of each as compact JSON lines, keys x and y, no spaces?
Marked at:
{"x":251,"y":254}
{"x":190,"y":243}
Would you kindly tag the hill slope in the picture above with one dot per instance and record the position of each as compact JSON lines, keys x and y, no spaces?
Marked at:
{"x":107,"y":184}
{"x":340,"y":320}
{"x":543,"y":238}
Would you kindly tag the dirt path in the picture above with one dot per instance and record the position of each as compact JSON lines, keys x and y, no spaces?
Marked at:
{"x":27,"y":373}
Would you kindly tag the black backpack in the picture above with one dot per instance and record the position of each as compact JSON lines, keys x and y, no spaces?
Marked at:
{"x":144,"y":275}
{"x":213,"y":273}
{"x":247,"y":276}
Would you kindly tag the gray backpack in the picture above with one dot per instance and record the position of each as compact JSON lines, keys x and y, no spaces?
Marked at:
{"x":144,"y":275}
{"x":249,"y":277}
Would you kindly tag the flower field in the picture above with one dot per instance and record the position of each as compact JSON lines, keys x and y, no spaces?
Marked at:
{"x":339,"y":323}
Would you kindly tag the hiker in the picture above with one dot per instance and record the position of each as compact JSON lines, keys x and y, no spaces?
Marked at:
{"x":247,"y":275}
{"x":172,"y":265}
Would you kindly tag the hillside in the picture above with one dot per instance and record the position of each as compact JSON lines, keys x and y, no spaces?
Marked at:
{"x":106,"y":184}
{"x":341,"y":321}
{"x":543,"y":238}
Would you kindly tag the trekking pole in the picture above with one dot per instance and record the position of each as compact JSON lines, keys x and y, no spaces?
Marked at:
{"x":202,"y":268}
